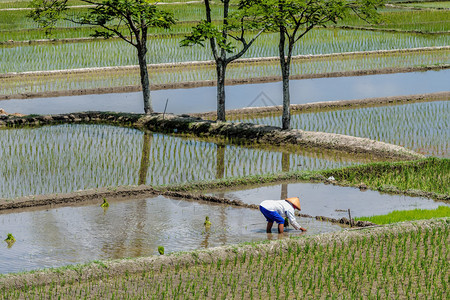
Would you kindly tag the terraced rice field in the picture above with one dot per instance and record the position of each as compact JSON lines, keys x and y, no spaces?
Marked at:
{"x":104,"y":53}
{"x":190,"y":73}
{"x":67,"y":158}
{"x":422,"y":127}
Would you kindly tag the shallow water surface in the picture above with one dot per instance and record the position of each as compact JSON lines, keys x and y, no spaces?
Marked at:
{"x":67,"y":158}
{"x":131,"y":228}
{"x":318,"y":199}
{"x":203,"y":99}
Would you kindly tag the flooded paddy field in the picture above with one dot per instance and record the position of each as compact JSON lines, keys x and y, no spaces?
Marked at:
{"x":70,"y":235}
{"x":67,"y":158}
{"x":422,"y":127}
{"x":202,"y":99}
{"x":164,"y":49}
{"x":318,"y":199}
{"x":192,"y":73}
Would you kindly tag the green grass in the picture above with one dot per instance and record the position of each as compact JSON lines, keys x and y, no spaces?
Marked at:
{"x":408,"y":215}
{"x":396,"y":262}
{"x":424,"y":21}
{"x":428,"y":175}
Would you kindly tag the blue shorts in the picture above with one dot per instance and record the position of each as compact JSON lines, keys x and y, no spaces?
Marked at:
{"x":271,"y":216}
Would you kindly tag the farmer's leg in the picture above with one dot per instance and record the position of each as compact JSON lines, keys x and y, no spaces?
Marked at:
{"x":280,"y":228}
{"x":269,"y":227}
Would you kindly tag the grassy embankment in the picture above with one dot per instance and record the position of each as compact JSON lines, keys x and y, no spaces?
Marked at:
{"x":398,"y":261}
{"x":427,"y":177}
{"x":408,"y":215}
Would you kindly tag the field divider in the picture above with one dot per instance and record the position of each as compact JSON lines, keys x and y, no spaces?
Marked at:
{"x":238,"y":133}
{"x":185,"y":64}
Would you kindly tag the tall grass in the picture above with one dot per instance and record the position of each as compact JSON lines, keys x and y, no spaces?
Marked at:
{"x":408,"y":215}
{"x":430,"y":175}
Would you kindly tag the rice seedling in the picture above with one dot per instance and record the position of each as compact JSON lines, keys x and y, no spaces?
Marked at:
{"x":100,"y":53}
{"x":105,"y":203}
{"x":161,"y":250}
{"x":416,"y":20}
{"x":395,"y":263}
{"x":61,"y":159}
{"x":417,"y":126}
{"x":408,"y":215}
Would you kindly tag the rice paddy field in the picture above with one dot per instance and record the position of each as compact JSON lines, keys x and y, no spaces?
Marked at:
{"x":422,"y":127}
{"x":67,"y":158}
{"x":193,"y":73}
{"x":330,"y":261}
{"x":403,"y":262}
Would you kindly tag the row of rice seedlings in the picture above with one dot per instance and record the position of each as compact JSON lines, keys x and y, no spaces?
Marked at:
{"x":67,"y":158}
{"x":81,"y":32}
{"x":419,"y":20}
{"x":408,"y":215}
{"x":397,"y":264}
{"x":26,"y":3}
{"x":430,"y":175}
{"x":37,"y":84}
{"x":18,"y":20}
{"x":422,"y":127}
{"x":426,"y":4}
{"x":101,"y":53}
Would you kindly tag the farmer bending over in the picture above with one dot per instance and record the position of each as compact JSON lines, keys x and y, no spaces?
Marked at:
{"x":276,"y":210}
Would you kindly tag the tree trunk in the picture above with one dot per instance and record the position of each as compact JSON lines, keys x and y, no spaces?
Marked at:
{"x":148,"y":109}
{"x":285,"y":70}
{"x":286,"y":119}
{"x":221,"y":68}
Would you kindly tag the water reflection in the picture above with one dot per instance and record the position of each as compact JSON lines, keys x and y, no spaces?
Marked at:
{"x":67,"y":158}
{"x":318,"y":199}
{"x":130,"y":228}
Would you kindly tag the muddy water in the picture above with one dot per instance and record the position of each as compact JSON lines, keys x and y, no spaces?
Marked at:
{"x":132,"y":228}
{"x":202,"y":99}
{"x":318,"y":199}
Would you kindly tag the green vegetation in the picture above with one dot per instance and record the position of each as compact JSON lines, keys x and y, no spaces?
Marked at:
{"x":161,"y":250}
{"x":105,"y":203}
{"x":396,"y":262}
{"x":426,"y":21}
{"x":67,"y":158}
{"x":408,"y":215}
{"x":103,"y":53}
{"x":429,"y":175}
{"x":417,"y":126}
{"x":10,"y":238}
{"x":426,"y":4}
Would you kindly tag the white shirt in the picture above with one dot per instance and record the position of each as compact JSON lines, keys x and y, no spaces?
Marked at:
{"x":282,"y":207}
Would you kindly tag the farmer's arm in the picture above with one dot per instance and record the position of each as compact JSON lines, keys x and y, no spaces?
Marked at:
{"x":293,"y":221}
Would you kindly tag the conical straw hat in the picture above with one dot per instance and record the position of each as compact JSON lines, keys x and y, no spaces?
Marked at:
{"x":295,"y":201}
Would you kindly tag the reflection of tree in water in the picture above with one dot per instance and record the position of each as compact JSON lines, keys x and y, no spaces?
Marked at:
{"x":285,"y":161}
{"x":137,"y":234}
{"x":145,"y":160}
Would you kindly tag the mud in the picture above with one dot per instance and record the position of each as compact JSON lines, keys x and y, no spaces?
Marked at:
{"x":328,"y":105}
{"x":92,"y":195}
{"x":120,"y":267}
